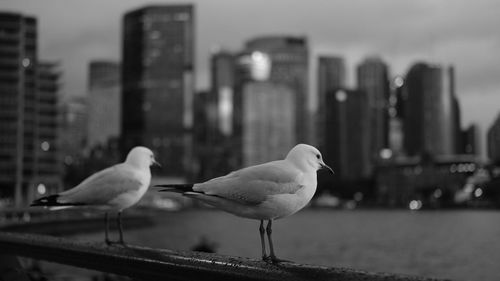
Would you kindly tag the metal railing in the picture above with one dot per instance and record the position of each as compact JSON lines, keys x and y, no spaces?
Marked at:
{"x":143,"y":263}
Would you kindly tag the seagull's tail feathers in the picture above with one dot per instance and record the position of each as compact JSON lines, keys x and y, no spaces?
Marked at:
{"x":179,"y":188}
{"x":53,"y":203}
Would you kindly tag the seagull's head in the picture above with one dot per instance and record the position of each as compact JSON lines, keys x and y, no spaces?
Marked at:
{"x":307,"y":157}
{"x":141,"y":157}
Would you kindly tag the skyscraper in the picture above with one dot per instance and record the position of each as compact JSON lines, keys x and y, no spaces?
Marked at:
{"x":331,"y":76}
{"x":469,"y":140}
{"x":73,"y":128}
{"x":289,"y":67}
{"x":18,"y":84}
{"x":372,"y":75}
{"x":494,"y":141}
{"x":103,"y":102}
{"x":396,"y":115}
{"x":346,"y":127}
{"x":270,"y":98}
{"x":223,"y":69}
{"x":157,"y":81}
{"x":459,"y":135}
{"x":47,"y":175}
{"x":429,"y":126}
{"x":269,"y":122}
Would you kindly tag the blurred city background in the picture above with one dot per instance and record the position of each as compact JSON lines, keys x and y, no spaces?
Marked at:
{"x":400,"y":97}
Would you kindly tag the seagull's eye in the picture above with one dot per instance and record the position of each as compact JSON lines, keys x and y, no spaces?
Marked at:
{"x":318,"y":156}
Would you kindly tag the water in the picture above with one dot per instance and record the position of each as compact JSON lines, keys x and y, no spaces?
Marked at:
{"x":460,"y":245}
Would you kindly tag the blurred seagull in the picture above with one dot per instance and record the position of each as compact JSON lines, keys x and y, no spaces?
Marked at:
{"x":113,"y":189}
{"x":268,"y":191}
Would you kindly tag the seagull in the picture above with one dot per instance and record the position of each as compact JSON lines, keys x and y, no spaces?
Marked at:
{"x":268,"y":191}
{"x":113,"y":189}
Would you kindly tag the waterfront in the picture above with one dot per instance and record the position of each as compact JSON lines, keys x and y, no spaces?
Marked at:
{"x":458,"y":244}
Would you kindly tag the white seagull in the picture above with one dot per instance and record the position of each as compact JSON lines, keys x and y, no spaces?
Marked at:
{"x":267,"y":191}
{"x":113,"y":189}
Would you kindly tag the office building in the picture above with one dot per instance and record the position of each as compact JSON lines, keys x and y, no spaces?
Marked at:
{"x":103,"y":102}
{"x":270,"y":83}
{"x":494,"y":141}
{"x":372,"y":77}
{"x":29,"y":162}
{"x":429,"y":126}
{"x":287,"y":57}
{"x":347,"y":124}
{"x":18,"y":84}
{"x":223,"y":70}
{"x":331,"y":76}
{"x":396,"y":116}
{"x":269,"y":122}
{"x":470,"y":143}
{"x":158,"y":82}
{"x":73,"y":130}
{"x":48,"y":169}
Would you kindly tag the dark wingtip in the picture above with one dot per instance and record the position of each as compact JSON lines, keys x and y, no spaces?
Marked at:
{"x":161,"y":185}
{"x":175,"y":187}
{"x":50,"y":200}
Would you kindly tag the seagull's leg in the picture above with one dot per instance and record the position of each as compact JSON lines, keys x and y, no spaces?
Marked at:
{"x":106,"y":227}
{"x":119,"y":219}
{"x":262,"y":240}
{"x":272,"y":255}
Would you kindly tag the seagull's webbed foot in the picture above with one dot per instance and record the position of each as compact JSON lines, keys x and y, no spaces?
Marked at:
{"x":276,"y":260}
{"x":108,"y":242}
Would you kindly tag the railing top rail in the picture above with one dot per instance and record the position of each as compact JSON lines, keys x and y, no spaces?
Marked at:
{"x":151,"y":264}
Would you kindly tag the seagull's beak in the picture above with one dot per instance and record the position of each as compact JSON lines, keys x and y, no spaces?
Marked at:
{"x":156,"y":163}
{"x":324,"y":166}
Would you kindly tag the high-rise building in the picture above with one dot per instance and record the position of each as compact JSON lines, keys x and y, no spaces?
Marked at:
{"x":269,"y":122}
{"x":347,"y":123}
{"x":223,"y":70}
{"x":494,"y":141}
{"x":429,"y":118}
{"x":18,"y":86}
{"x":267,"y":70}
{"x":372,"y":75}
{"x":157,"y":81}
{"x":47,"y":175}
{"x":103,"y":102}
{"x":459,"y":135}
{"x":331,"y":76}
{"x":288,"y":59}
{"x":469,"y":140}
{"x":396,"y":114}
{"x":74,"y":154}
{"x":73,"y":129}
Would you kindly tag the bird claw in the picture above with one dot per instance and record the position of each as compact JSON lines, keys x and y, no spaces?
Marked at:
{"x":275,"y":260}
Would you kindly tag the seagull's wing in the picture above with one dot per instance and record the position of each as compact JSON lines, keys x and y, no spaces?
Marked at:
{"x":103,"y":186}
{"x":254,"y":184}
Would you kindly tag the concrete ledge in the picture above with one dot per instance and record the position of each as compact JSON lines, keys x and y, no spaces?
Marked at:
{"x":152,"y":264}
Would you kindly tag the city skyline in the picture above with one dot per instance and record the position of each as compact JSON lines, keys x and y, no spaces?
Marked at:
{"x":428,"y":31}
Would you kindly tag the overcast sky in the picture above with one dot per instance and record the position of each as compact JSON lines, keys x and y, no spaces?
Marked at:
{"x":462,"y":33}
